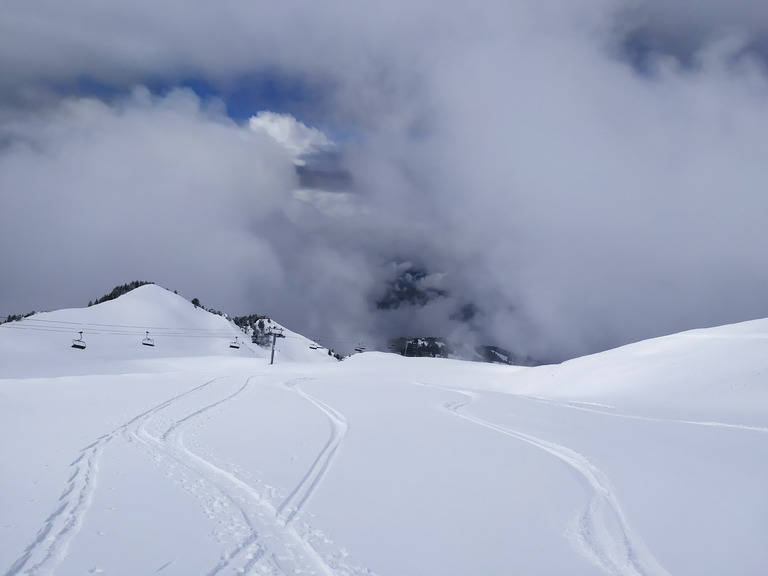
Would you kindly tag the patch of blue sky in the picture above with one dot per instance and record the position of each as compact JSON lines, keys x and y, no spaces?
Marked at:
{"x":306,"y":99}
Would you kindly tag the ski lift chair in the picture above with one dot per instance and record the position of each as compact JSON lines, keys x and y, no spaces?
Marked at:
{"x":79,"y":343}
{"x":235,"y":344}
{"x":148,"y":341}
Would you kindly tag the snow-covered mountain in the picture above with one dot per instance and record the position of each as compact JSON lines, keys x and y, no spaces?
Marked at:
{"x":191,"y":457}
{"x":113,"y":333}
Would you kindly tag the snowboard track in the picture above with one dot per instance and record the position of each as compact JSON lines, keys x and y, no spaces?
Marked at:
{"x":603,"y":531}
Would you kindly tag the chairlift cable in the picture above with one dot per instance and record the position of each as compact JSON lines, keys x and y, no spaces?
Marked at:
{"x":60,"y":326}
{"x":142,"y":327}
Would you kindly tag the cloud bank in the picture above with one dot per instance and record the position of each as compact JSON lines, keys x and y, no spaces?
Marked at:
{"x":565,"y":178}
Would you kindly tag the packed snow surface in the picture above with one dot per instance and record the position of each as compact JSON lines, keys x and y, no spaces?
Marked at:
{"x":191,"y":457}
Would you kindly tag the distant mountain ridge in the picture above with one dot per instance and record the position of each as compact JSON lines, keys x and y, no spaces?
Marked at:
{"x":111,"y":336}
{"x":433,"y":347}
{"x":118,"y":291}
{"x":257,"y":327}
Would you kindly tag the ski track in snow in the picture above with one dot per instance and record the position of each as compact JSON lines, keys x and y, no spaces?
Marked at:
{"x":52,"y":541}
{"x":265,"y":540}
{"x":309,"y":483}
{"x":594,"y":408}
{"x":234,"y":502}
{"x":294,"y":503}
{"x":604,"y":534}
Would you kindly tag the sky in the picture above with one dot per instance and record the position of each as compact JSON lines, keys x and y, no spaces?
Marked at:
{"x":562,"y":178}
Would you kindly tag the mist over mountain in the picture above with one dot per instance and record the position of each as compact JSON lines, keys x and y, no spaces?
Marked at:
{"x":568,"y":177}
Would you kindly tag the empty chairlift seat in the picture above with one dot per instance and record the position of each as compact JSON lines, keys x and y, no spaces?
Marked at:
{"x":79,"y":343}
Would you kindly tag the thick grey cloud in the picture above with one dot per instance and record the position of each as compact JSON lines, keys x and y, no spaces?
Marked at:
{"x":568,"y":198}
{"x":681,"y":29}
{"x":157,"y":188}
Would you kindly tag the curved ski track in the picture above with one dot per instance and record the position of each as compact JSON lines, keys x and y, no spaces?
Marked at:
{"x":602,"y":529}
{"x":595,"y":409}
{"x":308,"y":484}
{"x":265,"y":537}
{"x":52,"y":541}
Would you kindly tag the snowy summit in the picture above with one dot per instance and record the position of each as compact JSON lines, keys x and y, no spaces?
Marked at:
{"x":192,"y":457}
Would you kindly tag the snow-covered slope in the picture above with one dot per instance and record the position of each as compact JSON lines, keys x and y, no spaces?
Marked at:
{"x":719,"y":373}
{"x":113,"y":333}
{"x":650,"y":459}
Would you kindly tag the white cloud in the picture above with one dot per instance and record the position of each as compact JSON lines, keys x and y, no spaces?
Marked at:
{"x":153,"y":188}
{"x":295,"y":136}
{"x":507,"y":151}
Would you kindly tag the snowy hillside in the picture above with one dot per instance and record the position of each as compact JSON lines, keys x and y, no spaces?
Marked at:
{"x":113,"y":333}
{"x":190,"y":457}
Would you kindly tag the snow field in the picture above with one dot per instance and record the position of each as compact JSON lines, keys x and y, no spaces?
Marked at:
{"x":650,"y":459}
